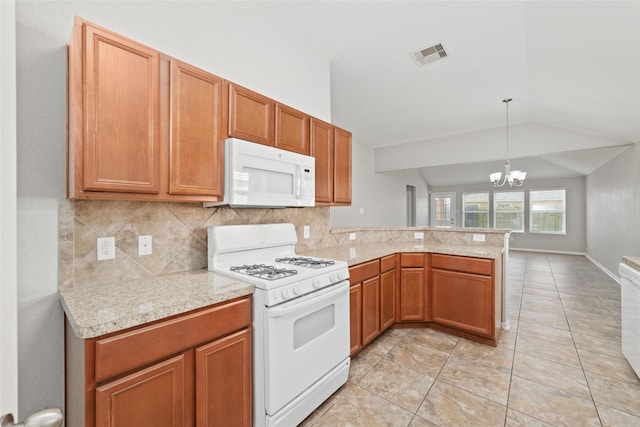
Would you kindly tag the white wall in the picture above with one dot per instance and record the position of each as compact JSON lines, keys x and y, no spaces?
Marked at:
{"x":382,"y":196}
{"x":235,"y":40}
{"x":8,"y":209}
{"x":613,"y":208}
{"x":573,"y":241}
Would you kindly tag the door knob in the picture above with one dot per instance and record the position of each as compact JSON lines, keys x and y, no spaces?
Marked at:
{"x":50,"y":417}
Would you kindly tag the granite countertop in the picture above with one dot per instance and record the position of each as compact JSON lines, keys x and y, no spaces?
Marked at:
{"x":633,"y":261}
{"x":363,"y":252}
{"x":102,"y":309}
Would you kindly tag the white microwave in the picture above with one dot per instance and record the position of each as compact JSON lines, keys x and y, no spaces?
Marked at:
{"x":258,"y":175}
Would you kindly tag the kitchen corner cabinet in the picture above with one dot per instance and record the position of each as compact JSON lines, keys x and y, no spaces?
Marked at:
{"x":331,"y":147}
{"x":193,"y":369}
{"x":251,"y":116}
{"x":142,"y":126}
{"x":464,"y":295}
{"x":413,"y":288}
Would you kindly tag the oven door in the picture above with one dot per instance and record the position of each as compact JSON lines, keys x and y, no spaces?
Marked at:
{"x":304,"y":339}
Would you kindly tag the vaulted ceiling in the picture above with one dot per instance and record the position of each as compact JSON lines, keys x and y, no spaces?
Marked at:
{"x":571,"y":67}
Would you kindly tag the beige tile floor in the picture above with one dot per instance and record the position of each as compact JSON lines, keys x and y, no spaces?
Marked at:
{"x":560,"y":364}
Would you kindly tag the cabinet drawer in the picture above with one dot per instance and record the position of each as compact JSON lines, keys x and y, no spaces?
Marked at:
{"x":364,"y":271}
{"x":123,"y":352}
{"x":412,"y":260}
{"x":387,"y":263}
{"x":459,"y":263}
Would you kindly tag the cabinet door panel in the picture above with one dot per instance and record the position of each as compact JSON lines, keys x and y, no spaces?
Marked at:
{"x":196,"y":132}
{"x":342,"y":173}
{"x":122,"y":141}
{"x":224,"y":382}
{"x":370,"y":309}
{"x":322,"y":149}
{"x":462,"y":301}
{"x":387,"y":298}
{"x":251,"y":116}
{"x":154,"y":396}
{"x":292,"y":130}
{"x":412,"y":294}
{"x":355,"y":312}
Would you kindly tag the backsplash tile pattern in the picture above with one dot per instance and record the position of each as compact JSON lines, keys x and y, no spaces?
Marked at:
{"x":179,"y":233}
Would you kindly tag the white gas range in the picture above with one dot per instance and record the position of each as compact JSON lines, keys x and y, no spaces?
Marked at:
{"x":300,"y":318}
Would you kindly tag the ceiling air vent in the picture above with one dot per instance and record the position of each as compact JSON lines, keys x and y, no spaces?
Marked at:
{"x":429,"y":54}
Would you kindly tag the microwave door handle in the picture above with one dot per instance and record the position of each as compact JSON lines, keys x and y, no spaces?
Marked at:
{"x":298,"y":181}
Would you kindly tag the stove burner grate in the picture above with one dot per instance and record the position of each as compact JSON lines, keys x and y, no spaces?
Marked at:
{"x":262,"y":271}
{"x":306,"y":262}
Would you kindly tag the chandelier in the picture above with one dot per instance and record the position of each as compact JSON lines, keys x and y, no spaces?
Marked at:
{"x":512,"y":177}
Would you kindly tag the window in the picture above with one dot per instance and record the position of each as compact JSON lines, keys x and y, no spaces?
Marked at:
{"x":475,"y":207}
{"x":508,"y":210}
{"x":547,"y":211}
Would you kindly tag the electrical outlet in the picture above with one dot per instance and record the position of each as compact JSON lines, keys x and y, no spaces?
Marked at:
{"x":306,"y":232}
{"x":352,"y":236}
{"x":106,"y":248}
{"x":144,"y":245}
{"x":478,"y":237}
{"x":418,"y":235}
{"x":361,"y":210}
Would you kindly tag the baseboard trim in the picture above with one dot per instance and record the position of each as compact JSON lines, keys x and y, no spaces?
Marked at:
{"x":603,"y":268}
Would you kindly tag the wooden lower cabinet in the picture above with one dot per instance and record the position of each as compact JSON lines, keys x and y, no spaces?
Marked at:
{"x":462,"y":300}
{"x":153,"y":396}
{"x":355,"y":306}
{"x":466,"y":295}
{"x":370,"y":309}
{"x":388,"y":282}
{"x":224,"y":381}
{"x":365,"y":304}
{"x":194,"y":369}
{"x":413,"y":287}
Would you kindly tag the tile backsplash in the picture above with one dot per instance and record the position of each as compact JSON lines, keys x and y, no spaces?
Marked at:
{"x":179,"y":233}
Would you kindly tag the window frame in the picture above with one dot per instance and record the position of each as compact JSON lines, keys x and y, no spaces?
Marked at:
{"x":488,"y":211}
{"x":564,"y":211}
{"x":522,"y":211}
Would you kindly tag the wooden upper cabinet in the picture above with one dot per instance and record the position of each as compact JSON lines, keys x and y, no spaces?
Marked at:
{"x":251,"y":116}
{"x":342,"y":173}
{"x":322,"y":148}
{"x":292,"y":129}
{"x":118,"y":138}
{"x":197,"y":131}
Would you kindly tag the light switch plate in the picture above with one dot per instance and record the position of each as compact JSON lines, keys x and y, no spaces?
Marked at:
{"x":306,"y":232}
{"x":418,"y":235}
{"x":352,"y":236}
{"x":145,"y":245}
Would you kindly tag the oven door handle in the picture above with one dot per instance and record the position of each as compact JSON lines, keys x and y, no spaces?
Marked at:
{"x":292,"y":306}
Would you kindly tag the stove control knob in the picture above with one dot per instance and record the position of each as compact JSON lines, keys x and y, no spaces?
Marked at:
{"x":332,"y":277}
{"x":285,"y":294}
{"x":316,"y":283}
{"x":341,"y":275}
{"x":296,"y":289}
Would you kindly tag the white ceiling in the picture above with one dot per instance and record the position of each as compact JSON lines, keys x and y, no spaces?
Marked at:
{"x":571,"y":67}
